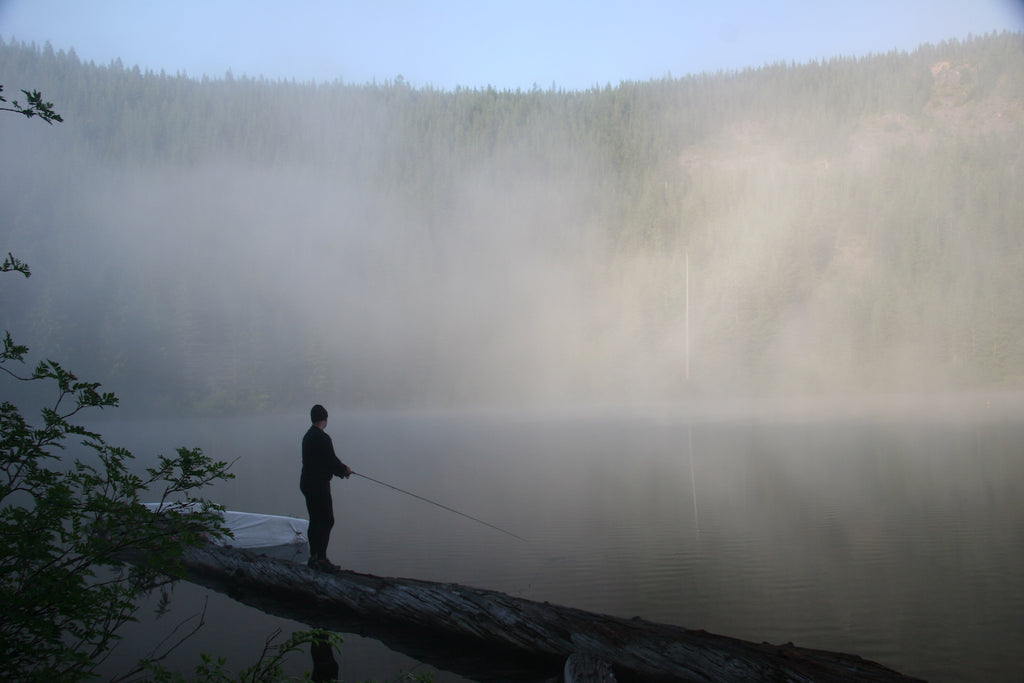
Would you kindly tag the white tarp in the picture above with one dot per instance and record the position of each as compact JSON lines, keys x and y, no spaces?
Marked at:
{"x":253,"y":530}
{"x":260,"y":531}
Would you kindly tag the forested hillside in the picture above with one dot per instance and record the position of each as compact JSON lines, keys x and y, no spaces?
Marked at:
{"x":218,"y":244}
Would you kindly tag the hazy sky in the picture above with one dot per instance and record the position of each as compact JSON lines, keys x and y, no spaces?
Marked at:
{"x":574,"y":44}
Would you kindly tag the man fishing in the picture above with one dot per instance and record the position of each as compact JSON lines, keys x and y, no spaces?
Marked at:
{"x":319,"y":464}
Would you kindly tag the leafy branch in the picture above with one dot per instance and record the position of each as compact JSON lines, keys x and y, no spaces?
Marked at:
{"x":268,"y":667}
{"x":34,"y":106}
{"x":12,"y":263}
{"x":71,"y":521}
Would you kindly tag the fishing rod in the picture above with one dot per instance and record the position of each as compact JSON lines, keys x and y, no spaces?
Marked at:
{"x":443,"y":507}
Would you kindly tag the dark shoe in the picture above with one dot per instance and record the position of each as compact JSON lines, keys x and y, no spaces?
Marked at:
{"x":322,"y":565}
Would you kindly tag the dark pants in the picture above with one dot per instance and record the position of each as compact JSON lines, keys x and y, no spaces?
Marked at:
{"x":321,"y":515}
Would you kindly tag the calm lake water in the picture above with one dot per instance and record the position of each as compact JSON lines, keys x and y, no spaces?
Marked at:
{"x":897,"y":536}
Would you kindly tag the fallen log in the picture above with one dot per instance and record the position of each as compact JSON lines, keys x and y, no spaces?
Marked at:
{"x":635,"y":648}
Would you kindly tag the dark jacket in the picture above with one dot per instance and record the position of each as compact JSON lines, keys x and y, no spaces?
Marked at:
{"x":319,"y":463}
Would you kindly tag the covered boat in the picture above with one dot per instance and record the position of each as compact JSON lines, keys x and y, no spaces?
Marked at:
{"x":272,"y":535}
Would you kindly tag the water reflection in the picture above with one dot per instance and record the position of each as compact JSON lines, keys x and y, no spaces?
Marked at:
{"x":465,"y":658}
{"x":896,"y":539}
{"x":325,"y":666}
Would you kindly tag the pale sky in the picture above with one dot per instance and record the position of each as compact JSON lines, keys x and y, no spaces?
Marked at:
{"x":474,"y":43}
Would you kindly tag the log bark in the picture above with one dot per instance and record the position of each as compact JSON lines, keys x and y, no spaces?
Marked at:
{"x":636,"y":649}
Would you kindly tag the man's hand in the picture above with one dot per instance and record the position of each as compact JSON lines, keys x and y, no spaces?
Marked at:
{"x":348,"y":472}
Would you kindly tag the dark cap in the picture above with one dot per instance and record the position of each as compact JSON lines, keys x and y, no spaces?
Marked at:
{"x":318,"y":413}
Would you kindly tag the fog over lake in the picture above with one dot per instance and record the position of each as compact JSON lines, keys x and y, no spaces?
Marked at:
{"x":222,"y":246}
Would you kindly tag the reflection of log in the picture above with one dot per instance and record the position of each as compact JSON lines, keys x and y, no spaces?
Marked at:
{"x":466,"y":657}
{"x":636,"y":649}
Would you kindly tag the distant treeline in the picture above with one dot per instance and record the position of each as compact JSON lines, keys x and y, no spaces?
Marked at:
{"x":844,"y":225}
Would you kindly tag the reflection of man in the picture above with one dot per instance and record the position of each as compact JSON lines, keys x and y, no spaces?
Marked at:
{"x":325,"y":666}
{"x":319,"y":464}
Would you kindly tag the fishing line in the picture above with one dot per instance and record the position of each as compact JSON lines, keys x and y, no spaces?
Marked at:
{"x":443,"y":507}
